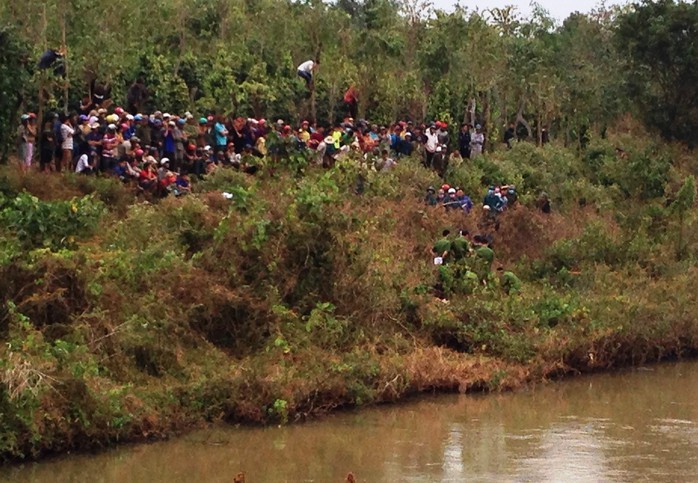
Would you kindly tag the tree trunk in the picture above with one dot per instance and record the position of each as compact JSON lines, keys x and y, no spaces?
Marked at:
{"x":42,"y":78}
{"x":473,"y":111}
{"x":487,"y":120}
{"x":66,"y":81}
{"x":520,"y":119}
{"x":313,"y":107}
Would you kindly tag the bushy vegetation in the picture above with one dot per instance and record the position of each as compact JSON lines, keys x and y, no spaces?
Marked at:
{"x":126,"y":320}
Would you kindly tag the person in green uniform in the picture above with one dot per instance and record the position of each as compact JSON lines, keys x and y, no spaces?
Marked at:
{"x":442,"y":248}
{"x":508,"y":281}
{"x":460,"y":247}
{"x":484,"y":258}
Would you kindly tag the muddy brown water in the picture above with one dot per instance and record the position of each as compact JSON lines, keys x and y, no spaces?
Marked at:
{"x":634,"y":425}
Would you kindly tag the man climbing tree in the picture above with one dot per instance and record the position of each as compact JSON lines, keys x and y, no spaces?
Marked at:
{"x":306,"y":71}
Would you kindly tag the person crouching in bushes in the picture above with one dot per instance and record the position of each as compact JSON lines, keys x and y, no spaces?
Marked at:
{"x":134,"y":164}
{"x":182,"y":185}
{"x":148,"y":180}
{"x":248,"y":160}
{"x":86,"y":164}
{"x":430,"y":198}
{"x":121,"y":170}
{"x":166,"y":178}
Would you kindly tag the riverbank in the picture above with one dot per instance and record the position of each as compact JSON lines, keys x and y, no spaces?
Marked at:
{"x":625,"y":424}
{"x":128,"y":320}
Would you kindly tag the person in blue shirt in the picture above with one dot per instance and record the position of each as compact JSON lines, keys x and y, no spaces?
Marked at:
{"x":465,"y":201}
{"x":121,"y":171}
{"x":220,"y":135}
{"x":168,"y":142}
{"x":492,"y":200}
{"x":404,"y":146}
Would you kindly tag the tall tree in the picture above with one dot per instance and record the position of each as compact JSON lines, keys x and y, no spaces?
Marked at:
{"x":659,"y":41}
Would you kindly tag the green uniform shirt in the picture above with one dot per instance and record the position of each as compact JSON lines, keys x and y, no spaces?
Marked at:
{"x":460,"y":248}
{"x":510,"y":282}
{"x":486,"y":253}
{"x":441,"y":246}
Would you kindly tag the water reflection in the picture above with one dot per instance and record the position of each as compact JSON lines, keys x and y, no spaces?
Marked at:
{"x":631,"y":426}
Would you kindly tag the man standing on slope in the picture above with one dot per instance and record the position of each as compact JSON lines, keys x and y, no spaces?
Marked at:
{"x":305,"y":70}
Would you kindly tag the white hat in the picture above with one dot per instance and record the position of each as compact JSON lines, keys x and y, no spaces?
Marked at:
{"x":129,"y":117}
{"x":164,"y":160}
{"x":438,"y":149}
{"x":95,"y":125}
{"x":166,"y":115}
{"x":452,"y":191}
{"x":171,"y":123}
{"x":207,"y":148}
{"x":112,"y":127}
{"x":280,"y":122}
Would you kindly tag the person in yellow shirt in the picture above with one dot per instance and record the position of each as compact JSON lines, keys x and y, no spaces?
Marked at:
{"x":337,"y":136}
{"x":304,"y":132}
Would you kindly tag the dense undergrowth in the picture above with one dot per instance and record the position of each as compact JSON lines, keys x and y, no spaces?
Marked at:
{"x":123,"y":319}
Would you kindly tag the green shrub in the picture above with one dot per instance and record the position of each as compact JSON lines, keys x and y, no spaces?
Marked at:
{"x":54,"y":225}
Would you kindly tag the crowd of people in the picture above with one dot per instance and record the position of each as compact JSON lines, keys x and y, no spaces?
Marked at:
{"x":96,"y":140}
{"x":497,"y":199}
{"x":161,"y":152}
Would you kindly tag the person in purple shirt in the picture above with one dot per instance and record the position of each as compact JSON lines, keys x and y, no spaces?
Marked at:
{"x":465,"y":201}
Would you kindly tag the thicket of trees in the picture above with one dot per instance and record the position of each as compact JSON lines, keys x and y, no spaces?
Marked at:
{"x":405,"y":58}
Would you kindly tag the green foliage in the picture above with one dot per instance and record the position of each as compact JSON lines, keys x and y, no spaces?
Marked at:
{"x":657,"y":38}
{"x":54,"y":225}
{"x":685,"y":199}
{"x":14,"y":78}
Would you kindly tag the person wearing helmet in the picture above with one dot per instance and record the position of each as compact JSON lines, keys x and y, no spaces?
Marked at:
{"x":201,"y":133}
{"x":143,"y":130}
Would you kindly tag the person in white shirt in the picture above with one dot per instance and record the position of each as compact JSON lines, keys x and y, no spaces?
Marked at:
{"x":67,"y":133}
{"x":83,"y":166}
{"x":432,"y":142}
{"x":305,"y":70}
{"x":477,"y":142}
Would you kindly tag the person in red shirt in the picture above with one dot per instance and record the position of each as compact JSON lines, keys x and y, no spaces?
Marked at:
{"x":148,"y":178}
{"x":351,"y":101}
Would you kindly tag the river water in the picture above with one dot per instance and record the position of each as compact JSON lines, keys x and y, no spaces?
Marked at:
{"x":635,"y":425}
